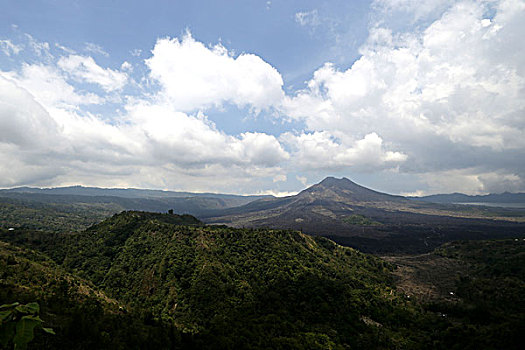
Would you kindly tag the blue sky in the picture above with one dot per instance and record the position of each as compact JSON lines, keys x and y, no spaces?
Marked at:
{"x":263,"y":96}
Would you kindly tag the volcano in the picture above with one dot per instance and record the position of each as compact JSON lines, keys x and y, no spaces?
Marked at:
{"x":353,"y":215}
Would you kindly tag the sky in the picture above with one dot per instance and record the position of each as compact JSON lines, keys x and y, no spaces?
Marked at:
{"x":263,"y":97}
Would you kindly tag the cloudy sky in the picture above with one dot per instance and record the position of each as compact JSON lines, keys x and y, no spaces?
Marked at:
{"x":250,"y":96}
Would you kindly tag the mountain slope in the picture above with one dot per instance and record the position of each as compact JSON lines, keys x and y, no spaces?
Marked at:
{"x":372,"y":221}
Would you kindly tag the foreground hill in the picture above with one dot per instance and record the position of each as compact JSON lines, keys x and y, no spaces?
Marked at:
{"x":353,"y":215}
{"x":231,"y":288}
{"x":82,"y":316}
{"x":160,"y":281}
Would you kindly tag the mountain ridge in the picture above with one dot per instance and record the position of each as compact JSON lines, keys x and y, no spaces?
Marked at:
{"x":456,"y":197}
{"x":123,"y":192}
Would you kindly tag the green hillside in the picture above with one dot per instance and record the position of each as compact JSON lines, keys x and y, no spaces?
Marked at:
{"x":82,"y":316}
{"x":238,"y":288}
{"x":163,"y":281}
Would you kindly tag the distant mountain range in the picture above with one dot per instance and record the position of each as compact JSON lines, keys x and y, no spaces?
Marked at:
{"x":130,"y":193}
{"x":463,"y":198}
{"x":131,"y":199}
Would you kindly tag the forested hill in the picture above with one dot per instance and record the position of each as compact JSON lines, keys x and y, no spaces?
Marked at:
{"x":238,"y":288}
{"x":163,"y":281}
{"x":228,"y":288}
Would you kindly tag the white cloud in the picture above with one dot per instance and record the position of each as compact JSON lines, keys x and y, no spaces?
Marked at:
{"x":277,"y":193}
{"x":65,"y":49}
{"x":194,"y":76}
{"x":50,"y":88}
{"x":179,"y":138}
{"x":151,"y":139}
{"x":302,"y":179}
{"x":439,"y":96}
{"x":40,"y":48}
{"x":30,"y":126}
{"x":471,"y":181}
{"x":442,"y":101}
{"x":126,"y":66}
{"x":51,"y":138}
{"x":85,"y":69}
{"x":322,"y":150}
{"x":8,"y":48}
{"x":96,"y":49}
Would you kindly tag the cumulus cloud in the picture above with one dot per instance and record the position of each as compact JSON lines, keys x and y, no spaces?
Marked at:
{"x":321,"y":150}
{"x":85,"y":69}
{"x":194,"y":76}
{"x":193,"y":141}
{"x":471,"y":180}
{"x":151,"y":138}
{"x":439,"y":96}
{"x":50,"y":137}
{"x":27,"y":127}
{"x":49,"y":87}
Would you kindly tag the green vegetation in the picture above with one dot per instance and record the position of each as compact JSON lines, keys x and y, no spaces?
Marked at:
{"x":147,"y":280}
{"x":240,"y":288}
{"x":82,"y":316}
{"x":18,"y":322}
{"x":477,"y":286}
{"x":490,"y":310}
{"x":210,"y":287}
{"x":56,"y":217}
{"x":360,"y":220}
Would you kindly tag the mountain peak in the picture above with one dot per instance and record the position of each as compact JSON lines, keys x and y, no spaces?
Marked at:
{"x":331,"y":181}
{"x":344,"y":189}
